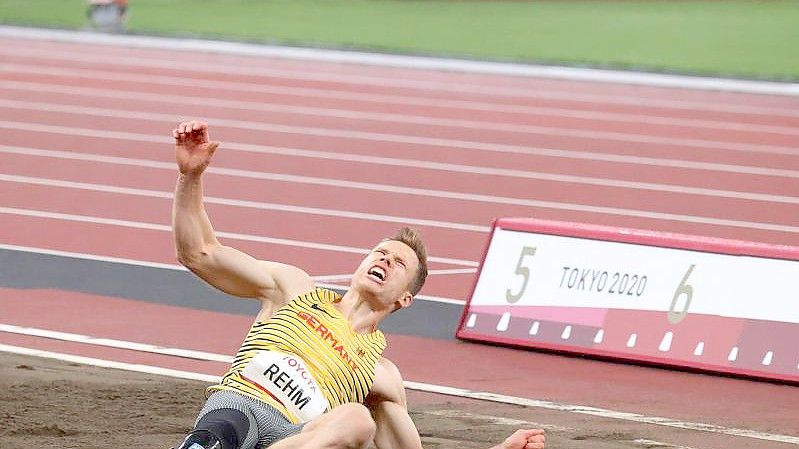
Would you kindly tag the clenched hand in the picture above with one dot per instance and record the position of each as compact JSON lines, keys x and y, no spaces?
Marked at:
{"x":193,"y":149}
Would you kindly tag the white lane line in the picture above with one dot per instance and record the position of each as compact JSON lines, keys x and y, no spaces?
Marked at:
{"x":603,"y":413}
{"x":346,"y":277}
{"x":110,"y":364}
{"x":223,"y":234}
{"x":447,"y":144}
{"x":113,"y":343}
{"x":447,"y":390}
{"x":453,"y":271}
{"x":449,"y":167}
{"x":404,"y":118}
{"x":459,"y":414}
{"x":361,"y":158}
{"x":92,"y":257}
{"x":494,"y":68}
{"x":442,"y":142}
{"x":415,"y":191}
{"x":243,"y":203}
{"x":651,"y":444}
{"x":355,"y":96}
{"x":320,"y":280}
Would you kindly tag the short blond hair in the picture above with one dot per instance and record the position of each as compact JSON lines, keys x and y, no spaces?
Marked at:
{"x":413,"y":239}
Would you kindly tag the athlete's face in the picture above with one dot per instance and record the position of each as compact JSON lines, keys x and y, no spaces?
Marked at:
{"x":387,"y":273}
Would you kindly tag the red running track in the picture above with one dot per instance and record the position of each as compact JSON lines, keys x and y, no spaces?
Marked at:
{"x":323,"y":154}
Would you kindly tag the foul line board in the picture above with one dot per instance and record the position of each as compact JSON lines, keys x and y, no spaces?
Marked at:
{"x":719,"y":305}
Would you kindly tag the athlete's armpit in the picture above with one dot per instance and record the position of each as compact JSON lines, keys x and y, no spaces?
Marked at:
{"x":388,"y":385}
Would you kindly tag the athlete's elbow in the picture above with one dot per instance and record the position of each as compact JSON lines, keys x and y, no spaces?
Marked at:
{"x":194,"y":258}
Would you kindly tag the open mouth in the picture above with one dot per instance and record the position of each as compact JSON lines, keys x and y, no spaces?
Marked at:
{"x":378,"y":273}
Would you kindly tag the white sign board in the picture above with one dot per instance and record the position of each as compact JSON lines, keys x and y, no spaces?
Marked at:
{"x":714,"y":304}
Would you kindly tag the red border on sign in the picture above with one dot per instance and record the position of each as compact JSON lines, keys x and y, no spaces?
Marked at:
{"x":633,"y":236}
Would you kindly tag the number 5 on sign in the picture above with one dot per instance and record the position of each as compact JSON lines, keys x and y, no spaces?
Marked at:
{"x":522,"y":271}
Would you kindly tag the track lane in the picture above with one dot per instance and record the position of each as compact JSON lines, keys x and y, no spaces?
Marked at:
{"x":597,"y":195}
{"x":152,"y":242}
{"x":511,"y":88}
{"x":698,"y":205}
{"x":409,"y":105}
{"x":732,"y":132}
{"x":611,"y":384}
{"x":351,"y":232}
{"x":669,"y":148}
{"x":258,"y":190}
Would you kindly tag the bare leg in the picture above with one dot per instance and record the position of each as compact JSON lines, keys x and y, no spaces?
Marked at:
{"x":349,"y":426}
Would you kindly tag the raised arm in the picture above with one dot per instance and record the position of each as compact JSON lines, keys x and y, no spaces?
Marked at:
{"x":396,"y":430}
{"x":225,"y":268}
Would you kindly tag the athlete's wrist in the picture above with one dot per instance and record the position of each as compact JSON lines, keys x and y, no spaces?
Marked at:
{"x":190,"y":177}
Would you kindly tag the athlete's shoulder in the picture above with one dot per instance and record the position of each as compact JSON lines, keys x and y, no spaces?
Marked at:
{"x":321,"y":294}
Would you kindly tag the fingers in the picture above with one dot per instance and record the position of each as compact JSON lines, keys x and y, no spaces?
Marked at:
{"x":194,"y":129}
{"x":525,"y":439}
{"x":535,"y":439}
{"x":530,"y":433}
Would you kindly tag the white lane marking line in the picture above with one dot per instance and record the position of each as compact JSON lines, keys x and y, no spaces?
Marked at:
{"x":452,"y":391}
{"x":327,"y":182}
{"x":472,"y":320}
{"x":415,"y":62}
{"x":604,"y":413}
{"x":458,"y":414}
{"x":93,"y":257}
{"x":632,"y":340}
{"x":617,"y":117}
{"x":113,"y":343}
{"x":453,"y":271}
{"x":410,"y":100}
{"x":442,"y":272}
{"x":454,"y":168}
{"x":476,"y":146}
{"x":335,"y":277}
{"x":534,"y":328}
{"x":567,"y":333}
{"x":406,"y":139}
{"x":98,"y":258}
{"x":767,"y":358}
{"x":110,"y":364}
{"x":223,"y":234}
{"x":243,"y":203}
{"x":651,"y":444}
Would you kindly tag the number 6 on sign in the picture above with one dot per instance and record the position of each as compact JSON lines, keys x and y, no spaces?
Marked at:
{"x":682,"y":290}
{"x":522,"y":271}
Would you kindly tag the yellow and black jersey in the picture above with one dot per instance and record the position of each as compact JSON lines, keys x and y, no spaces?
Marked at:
{"x":305,"y":359}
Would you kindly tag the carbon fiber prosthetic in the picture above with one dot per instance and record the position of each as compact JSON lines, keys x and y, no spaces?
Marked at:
{"x":266,"y":424}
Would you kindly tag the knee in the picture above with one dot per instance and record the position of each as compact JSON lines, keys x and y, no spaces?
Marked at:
{"x":360,"y":427}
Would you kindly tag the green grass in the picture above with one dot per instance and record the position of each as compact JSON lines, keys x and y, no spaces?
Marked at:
{"x":755,"y":39}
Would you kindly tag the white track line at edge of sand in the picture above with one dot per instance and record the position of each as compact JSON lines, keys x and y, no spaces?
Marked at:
{"x":431,"y":388}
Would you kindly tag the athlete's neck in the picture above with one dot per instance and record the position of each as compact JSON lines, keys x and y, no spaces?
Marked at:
{"x":361,"y":313}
